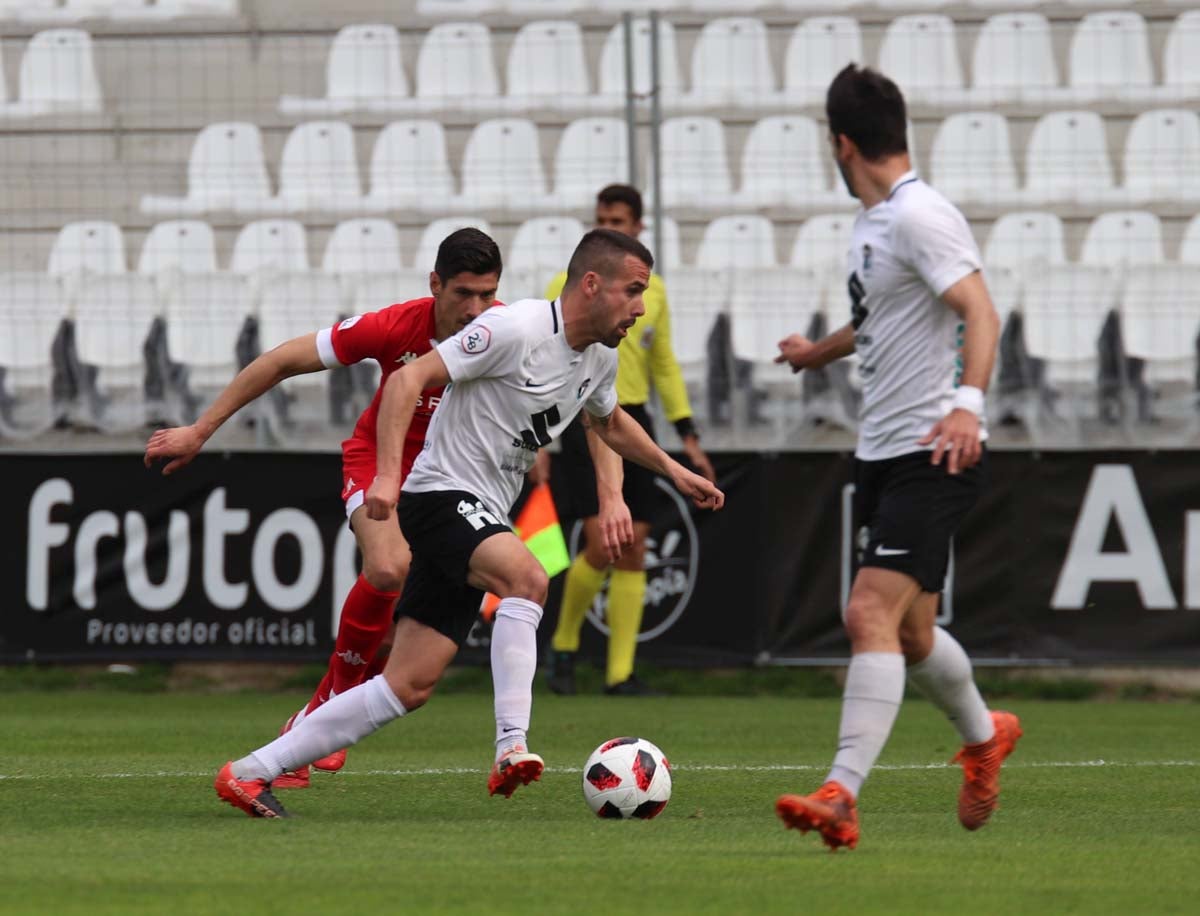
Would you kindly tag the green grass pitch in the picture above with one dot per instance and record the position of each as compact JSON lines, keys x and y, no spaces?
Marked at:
{"x":106,"y":806}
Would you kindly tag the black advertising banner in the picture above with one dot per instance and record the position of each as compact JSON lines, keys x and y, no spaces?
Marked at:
{"x":1070,"y":556}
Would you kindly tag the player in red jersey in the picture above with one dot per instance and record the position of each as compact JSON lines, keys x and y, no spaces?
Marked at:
{"x":464,"y":280}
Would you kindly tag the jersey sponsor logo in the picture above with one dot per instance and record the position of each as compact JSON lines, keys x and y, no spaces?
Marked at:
{"x":582,"y":389}
{"x":349,"y":323}
{"x":538,"y":437}
{"x":476,"y":340}
{"x":431,"y":402}
{"x":858,"y":296}
{"x":672,"y":559}
{"x":866,"y":259}
{"x":406,"y":358}
{"x":476,"y":514}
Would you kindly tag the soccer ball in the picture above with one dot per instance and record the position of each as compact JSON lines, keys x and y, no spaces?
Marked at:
{"x":627,"y":777}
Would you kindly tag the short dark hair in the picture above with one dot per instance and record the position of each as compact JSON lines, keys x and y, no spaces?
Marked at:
{"x":467,"y":251}
{"x":622,"y":194}
{"x":601,"y":250}
{"x":867,"y":107}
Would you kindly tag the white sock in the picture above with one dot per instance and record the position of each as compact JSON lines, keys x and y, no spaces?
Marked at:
{"x":343,"y":721}
{"x":945,"y":678}
{"x":514,"y":664}
{"x":870,"y":701}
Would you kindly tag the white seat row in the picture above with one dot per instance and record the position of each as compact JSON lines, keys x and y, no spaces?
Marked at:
{"x":57,"y":76}
{"x":784,"y":163}
{"x":555,"y":7}
{"x":1013,"y":61}
{"x":73,"y":11}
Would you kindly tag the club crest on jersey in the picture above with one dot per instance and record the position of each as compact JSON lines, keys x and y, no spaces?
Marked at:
{"x":349,"y":323}
{"x":582,"y":388}
{"x":866,"y":259}
{"x":476,"y":340}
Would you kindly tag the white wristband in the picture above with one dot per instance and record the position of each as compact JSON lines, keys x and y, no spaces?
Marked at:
{"x":968,"y":397}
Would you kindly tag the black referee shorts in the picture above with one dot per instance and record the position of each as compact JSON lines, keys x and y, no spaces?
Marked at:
{"x":443,"y":528}
{"x":911,"y":510}
{"x":639,"y":489}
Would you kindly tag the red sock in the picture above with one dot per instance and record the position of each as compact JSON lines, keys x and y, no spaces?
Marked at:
{"x":378,"y":663}
{"x":366,"y":616}
{"x":321,"y":694}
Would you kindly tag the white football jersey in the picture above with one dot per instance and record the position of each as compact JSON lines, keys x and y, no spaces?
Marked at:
{"x":906,"y":251}
{"x":514,"y":387}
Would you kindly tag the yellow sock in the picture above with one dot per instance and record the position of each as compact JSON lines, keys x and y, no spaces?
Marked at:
{"x":583,"y":582}
{"x":626,"y":594}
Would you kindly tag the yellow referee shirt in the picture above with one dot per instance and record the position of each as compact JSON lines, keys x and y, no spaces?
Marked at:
{"x":645,"y":355}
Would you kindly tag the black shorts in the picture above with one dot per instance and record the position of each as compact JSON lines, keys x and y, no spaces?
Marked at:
{"x":639,"y":489}
{"x":443,"y":528}
{"x":911,"y":510}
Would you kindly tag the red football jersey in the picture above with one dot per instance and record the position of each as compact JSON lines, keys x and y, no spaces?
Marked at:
{"x":393,"y":336}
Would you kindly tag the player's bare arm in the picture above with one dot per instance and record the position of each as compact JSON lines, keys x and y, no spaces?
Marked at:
{"x":956,"y":436}
{"x":179,"y":445}
{"x":615,"y":519}
{"x":801,"y":353}
{"x":627,"y":438}
{"x":395,"y":414}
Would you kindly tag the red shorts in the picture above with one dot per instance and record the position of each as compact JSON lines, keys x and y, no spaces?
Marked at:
{"x":358,"y":470}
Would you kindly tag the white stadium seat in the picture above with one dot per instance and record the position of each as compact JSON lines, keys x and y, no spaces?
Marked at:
{"x":972,"y":161}
{"x":113,"y":318}
{"x":32,"y":308}
{"x":910,"y":4}
{"x":731,"y":65}
{"x":186,"y":246}
{"x":205,"y":313}
{"x":818,"y":49}
{"x":1162,"y":157}
{"x":592,"y":153}
{"x":379,"y":289}
{"x":26,"y":9}
{"x":226,"y":172}
{"x":766,"y":305}
{"x":1123,"y":238}
{"x":1064,"y":309}
{"x":1181,"y":60}
{"x":89,"y":246}
{"x":1066,"y":160}
{"x":783,"y":164}
{"x":542,"y":7}
{"x":57,"y":76}
{"x":175,"y":9}
{"x":364,"y":72}
{"x":409,"y":168}
{"x":737,"y":241}
{"x":697,"y":296}
{"x":695,"y":171}
{"x":456,"y":69}
{"x":1189,"y":245}
{"x":1014,"y":60}
{"x":823,"y":244}
{"x":670,"y":256}
{"x":359,"y":246}
{"x":456,"y":7}
{"x":1025,"y":240}
{"x":920,"y":52}
{"x":436,"y":231}
{"x":270,"y":245}
{"x":612,"y":63}
{"x":541,"y":248}
{"x":1110,"y":55}
{"x":1160,"y":320}
{"x":502,"y":167}
{"x":318,"y":171}
{"x":634,"y":6}
{"x":547,"y":68}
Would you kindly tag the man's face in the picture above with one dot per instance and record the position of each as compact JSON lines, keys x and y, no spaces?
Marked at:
{"x":618,"y":303}
{"x":462,"y":298}
{"x":618,"y":217}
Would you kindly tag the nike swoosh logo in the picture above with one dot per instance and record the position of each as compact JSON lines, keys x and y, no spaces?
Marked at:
{"x":507,"y":730}
{"x":530,"y":383}
{"x":881,"y":551}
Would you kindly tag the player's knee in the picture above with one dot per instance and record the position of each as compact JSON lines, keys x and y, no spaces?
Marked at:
{"x":412,"y":692}
{"x":530,"y":583}
{"x":867,"y":618}
{"x":386,"y":575}
{"x":916,"y":642}
{"x":633,"y":557}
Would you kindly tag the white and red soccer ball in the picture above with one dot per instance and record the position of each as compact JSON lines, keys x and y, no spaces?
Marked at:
{"x":627,"y":777}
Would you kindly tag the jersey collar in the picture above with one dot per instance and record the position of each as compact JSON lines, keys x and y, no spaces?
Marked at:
{"x":907,"y":178}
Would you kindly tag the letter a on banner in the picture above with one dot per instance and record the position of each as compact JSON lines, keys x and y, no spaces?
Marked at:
{"x":1112,"y":495}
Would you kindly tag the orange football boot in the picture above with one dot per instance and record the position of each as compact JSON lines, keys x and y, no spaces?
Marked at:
{"x":250,"y":795}
{"x":830,"y":811}
{"x":981,"y":763}
{"x":516,"y":768}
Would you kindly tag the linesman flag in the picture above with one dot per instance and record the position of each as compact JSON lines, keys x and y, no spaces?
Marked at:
{"x":537,"y":525}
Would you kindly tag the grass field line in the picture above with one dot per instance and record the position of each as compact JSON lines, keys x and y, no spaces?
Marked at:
{"x":690,"y":768}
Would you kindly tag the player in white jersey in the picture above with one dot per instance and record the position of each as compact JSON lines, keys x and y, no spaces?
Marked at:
{"x":925,"y":329}
{"x":515,"y":380}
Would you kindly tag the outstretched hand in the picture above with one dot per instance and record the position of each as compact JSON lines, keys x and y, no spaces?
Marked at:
{"x":177,"y":446}
{"x":797,"y":351}
{"x":703,"y":493}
